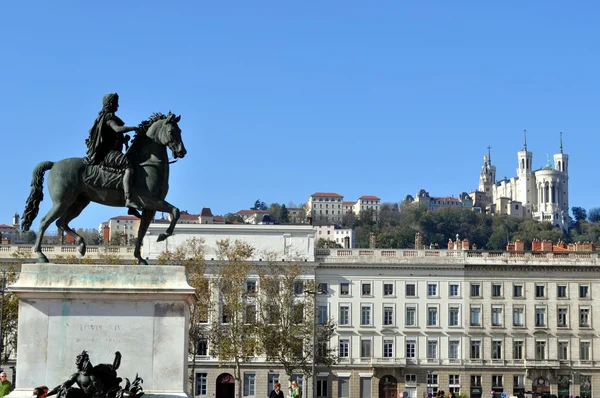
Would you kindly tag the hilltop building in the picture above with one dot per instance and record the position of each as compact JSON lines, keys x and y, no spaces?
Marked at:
{"x":542,"y":194}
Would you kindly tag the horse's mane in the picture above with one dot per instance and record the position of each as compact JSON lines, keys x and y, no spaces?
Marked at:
{"x":145,"y":125}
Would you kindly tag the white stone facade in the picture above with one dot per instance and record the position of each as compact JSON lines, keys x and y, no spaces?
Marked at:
{"x":325,"y":208}
{"x":542,"y":194}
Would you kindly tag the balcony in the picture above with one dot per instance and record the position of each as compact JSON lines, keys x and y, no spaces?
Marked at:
{"x":388,"y":361}
{"x":542,"y":363}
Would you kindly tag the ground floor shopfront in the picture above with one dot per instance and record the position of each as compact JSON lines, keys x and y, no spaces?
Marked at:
{"x":400,"y":382}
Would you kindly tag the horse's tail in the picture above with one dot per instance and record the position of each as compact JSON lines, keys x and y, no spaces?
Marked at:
{"x":32,"y":207}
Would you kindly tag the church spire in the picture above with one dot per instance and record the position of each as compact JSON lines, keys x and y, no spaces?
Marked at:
{"x":525,"y":142}
{"x":489,"y":154}
{"x":561,"y":148}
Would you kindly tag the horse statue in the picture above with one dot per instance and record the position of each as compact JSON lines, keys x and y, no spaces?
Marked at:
{"x":73,"y":184}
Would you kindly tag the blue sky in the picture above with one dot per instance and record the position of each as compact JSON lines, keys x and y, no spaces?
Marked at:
{"x":283,"y":99}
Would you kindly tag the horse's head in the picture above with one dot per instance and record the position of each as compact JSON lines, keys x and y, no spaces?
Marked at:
{"x":166,"y":131}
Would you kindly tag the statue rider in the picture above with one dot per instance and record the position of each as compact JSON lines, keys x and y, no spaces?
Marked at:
{"x":105,"y":145}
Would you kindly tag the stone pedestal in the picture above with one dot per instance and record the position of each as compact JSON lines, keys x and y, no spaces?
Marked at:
{"x":140,"y":311}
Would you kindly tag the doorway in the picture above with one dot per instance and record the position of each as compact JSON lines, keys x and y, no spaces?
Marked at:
{"x":225,"y":386}
{"x":388,"y":387}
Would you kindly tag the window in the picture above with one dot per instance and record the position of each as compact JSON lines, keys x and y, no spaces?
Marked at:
{"x":518,"y":316}
{"x":475,"y":290}
{"x":202,"y":348}
{"x":563,"y":350}
{"x":453,"y":291}
{"x":432,"y":290}
{"x":497,"y":381}
{"x":497,"y":349}
{"x":517,"y":291}
{"x":411,"y":315}
{"x":540,"y":350}
{"x":388,"y":289}
{"x":453,"y":349}
{"x":432,"y":313}
{"x":584,"y":317}
{"x":476,"y":380}
{"x":344,"y":289}
{"x":432,"y":378}
{"x":496,"y":290}
{"x":322,"y":314}
{"x":388,"y":348}
{"x":224,"y":314}
{"x":365,"y":348}
{"x":201,"y":383}
{"x":584,"y":350}
{"x":251,"y":287}
{"x":497,"y":316}
{"x":453,"y":380}
{"x":344,"y":318}
{"x":249,"y":384}
{"x":365,"y":315}
{"x":411,"y":349}
{"x":366,"y":289}
{"x":475,"y":316}
{"x":410,"y":379}
{"x":432,"y":349}
{"x":562,"y":317}
{"x":561,"y":291}
{"x":475,"y":349}
{"x":322,"y":390}
{"x":518,"y":349}
{"x":344,"y":387}
{"x":411,"y":290}
{"x":584,"y":291}
{"x":453,"y":316}
{"x":388,"y":315}
{"x":323,"y":288}
{"x":298,"y":287}
{"x":365,"y":387}
{"x":540,"y":291}
{"x":540,"y":316}
{"x":344,"y":348}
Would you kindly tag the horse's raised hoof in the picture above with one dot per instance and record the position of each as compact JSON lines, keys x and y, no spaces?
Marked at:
{"x":81,"y":249}
{"x":162,"y":237}
{"x":42,"y":258}
{"x":134,"y":212}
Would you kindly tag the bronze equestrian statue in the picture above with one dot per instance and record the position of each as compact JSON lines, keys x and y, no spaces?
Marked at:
{"x":106,"y":176}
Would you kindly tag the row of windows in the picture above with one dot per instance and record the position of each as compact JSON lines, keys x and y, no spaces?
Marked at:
{"x":475,"y":350}
{"x":454,"y":317}
{"x":497,"y":290}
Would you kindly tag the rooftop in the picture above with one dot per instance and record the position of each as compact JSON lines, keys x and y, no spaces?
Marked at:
{"x":327,"y":194}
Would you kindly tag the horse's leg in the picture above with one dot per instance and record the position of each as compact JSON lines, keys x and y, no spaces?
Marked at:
{"x":72,"y":212}
{"x":55,"y":212}
{"x":162,"y":205}
{"x":146,"y":219}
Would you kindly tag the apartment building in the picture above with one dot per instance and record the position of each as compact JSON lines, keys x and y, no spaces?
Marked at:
{"x":325,"y":208}
{"x":414,"y":322}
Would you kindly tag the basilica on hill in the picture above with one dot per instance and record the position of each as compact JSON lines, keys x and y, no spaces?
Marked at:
{"x":542,"y":194}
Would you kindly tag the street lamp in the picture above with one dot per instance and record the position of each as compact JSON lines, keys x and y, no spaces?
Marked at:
{"x":2,"y":315}
{"x":572,"y":384}
{"x":314,"y":338}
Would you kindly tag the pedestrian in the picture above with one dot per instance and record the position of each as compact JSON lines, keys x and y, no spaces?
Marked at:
{"x":276,"y":393}
{"x":294,"y":391}
{"x":40,"y":392}
{"x":5,"y":386}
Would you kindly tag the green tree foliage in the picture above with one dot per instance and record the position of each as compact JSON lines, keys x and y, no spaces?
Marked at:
{"x":579,"y":213}
{"x":28,"y":237}
{"x":594,"y":214}
{"x":283,"y":215}
{"x":10,"y":316}
{"x":90,"y":235}
{"x":233,"y":218}
{"x":287,"y":320}
{"x":274,"y":211}
{"x":116,"y":239}
{"x":259,"y":205}
{"x":327,"y":244}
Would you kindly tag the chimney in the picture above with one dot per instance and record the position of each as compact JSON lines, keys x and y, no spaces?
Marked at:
{"x":465,"y":244}
{"x":536,"y":245}
{"x":450,"y":244}
{"x":510,"y":247}
{"x":347,"y":242}
{"x":371,"y":240}
{"x":106,"y":234}
{"x":547,"y":245}
{"x":519,"y":245}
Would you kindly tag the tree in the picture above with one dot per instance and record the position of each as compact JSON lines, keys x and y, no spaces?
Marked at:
{"x":116,"y":239}
{"x":10,"y":317}
{"x":327,"y":244}
{"x":594,"y":214}
{"x":28,"y":237}
{"x":287,"y":321}
{"x":191,"y":256}
{"x":283,"y":215}
{"x":274,"y":211}
{"x":233,"y":218}
{"x":90,"y":235}
{"x":233,"y":331}
{"x":259,"y":205}
{"x":579,"y":213}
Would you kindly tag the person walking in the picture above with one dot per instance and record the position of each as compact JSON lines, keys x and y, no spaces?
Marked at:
{"x":5,"y":386}
{"x":276,"y":393}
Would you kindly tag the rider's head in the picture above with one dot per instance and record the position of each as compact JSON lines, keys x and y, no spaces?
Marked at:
{"x":110,"y":102}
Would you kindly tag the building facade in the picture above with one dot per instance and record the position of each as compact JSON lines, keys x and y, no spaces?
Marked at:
{"x":421,"y":321}
{"x":325,"y":208}
{"x":542,"y":193}
{"x":367,"y":202}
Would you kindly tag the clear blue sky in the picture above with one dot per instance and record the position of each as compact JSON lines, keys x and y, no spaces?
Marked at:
{"x":282,"y":99}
